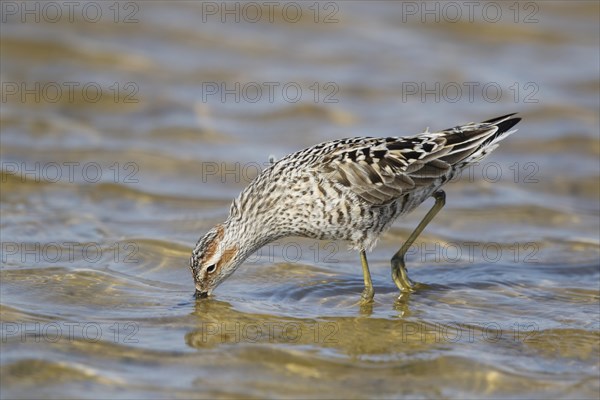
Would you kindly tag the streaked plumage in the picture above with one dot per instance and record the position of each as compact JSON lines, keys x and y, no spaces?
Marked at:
{"x":349,"y":189}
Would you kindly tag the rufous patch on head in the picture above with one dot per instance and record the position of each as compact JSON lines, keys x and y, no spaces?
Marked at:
{"x":213,"y":246}
{"x":228,"y":254}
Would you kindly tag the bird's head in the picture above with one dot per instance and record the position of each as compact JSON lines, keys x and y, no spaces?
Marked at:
{"x":214,"y":258}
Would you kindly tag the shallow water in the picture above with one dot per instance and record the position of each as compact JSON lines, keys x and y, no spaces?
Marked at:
{"x":104,"y":196}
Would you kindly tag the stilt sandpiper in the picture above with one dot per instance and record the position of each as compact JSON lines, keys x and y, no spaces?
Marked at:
{"x":348,"y":189}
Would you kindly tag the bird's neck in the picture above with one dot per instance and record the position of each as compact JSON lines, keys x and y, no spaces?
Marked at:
{"x":249,"y":236}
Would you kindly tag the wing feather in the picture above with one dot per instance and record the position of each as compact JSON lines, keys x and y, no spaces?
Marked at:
{"x":380,"y":170}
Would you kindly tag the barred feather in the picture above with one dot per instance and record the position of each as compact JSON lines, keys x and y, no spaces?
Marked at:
{"x":380,"y":170}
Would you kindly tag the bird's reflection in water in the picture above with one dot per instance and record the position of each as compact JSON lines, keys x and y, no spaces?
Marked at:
{"x":218,"y":322}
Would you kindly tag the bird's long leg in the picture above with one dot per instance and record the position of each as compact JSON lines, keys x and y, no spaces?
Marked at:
{"x":368,"y":292}
{"x":399,"y":273}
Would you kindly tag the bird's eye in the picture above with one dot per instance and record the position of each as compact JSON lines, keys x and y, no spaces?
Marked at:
{"x":211,"y":268}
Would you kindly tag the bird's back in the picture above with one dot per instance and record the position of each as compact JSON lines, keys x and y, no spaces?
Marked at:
{"x":380,"y":170}
{"x":353,"y":188}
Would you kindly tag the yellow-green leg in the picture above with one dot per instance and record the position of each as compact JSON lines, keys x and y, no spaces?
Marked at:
{"x":399,"y":273}
{"x":368,"y":292}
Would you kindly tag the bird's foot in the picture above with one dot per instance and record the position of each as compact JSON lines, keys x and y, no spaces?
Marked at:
{"x":367,"y":295}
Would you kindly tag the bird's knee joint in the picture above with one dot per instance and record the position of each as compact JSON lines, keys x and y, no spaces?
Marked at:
{"x":440,"y":197}
{"x":397,"y":259}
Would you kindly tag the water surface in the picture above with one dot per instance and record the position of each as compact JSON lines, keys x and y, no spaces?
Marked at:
{"x":103,"y":198}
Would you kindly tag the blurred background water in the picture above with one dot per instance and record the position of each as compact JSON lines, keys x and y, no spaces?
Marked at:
{"x":128,"y":127}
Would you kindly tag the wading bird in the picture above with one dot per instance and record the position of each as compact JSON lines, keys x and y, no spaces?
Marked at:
{"x":348,"y":189}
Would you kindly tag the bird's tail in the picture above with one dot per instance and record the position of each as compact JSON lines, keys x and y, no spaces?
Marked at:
{"x":470,"y":143}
